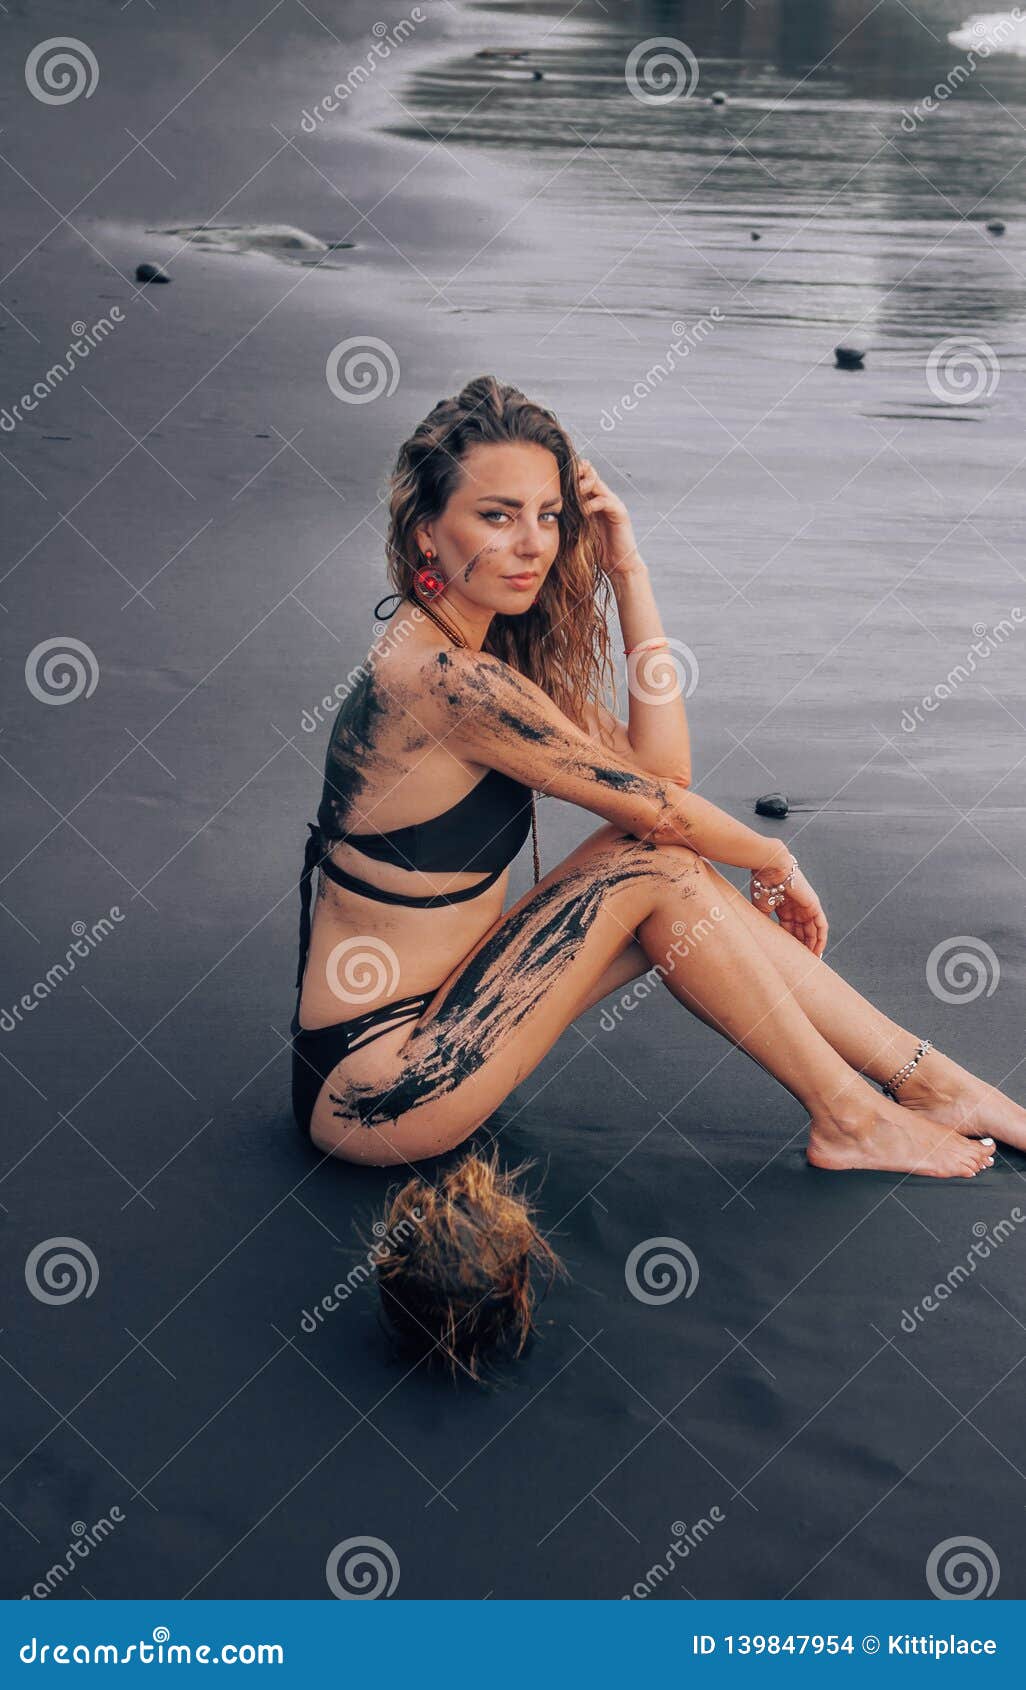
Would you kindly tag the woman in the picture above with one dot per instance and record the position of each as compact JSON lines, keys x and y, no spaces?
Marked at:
{"x":503,"y":550}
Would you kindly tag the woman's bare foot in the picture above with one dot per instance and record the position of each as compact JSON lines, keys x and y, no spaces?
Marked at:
{"x":954,"y":1097}
{"x":885,"y":1136}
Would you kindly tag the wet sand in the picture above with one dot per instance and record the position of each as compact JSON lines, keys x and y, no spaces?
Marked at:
{"x":196,"y":507}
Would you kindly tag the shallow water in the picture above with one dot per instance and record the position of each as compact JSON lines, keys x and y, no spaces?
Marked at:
{"x":696,"y":364}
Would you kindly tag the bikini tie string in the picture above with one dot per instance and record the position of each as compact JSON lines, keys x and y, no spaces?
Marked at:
{"x":311,"y":859}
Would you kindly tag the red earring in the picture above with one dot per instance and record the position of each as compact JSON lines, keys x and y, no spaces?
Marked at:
{"x":429,"y":583}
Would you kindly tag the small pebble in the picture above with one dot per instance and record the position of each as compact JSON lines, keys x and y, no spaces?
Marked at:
{"x":756,"y":235}
{"x":772,"y":804}
{"x":718,"y":99}
{"x":848,"y":357}
{"x":151,"y":273}
{"x":996,"y":227}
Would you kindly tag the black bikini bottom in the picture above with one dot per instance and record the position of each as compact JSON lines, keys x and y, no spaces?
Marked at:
{"x":316,"y":1050}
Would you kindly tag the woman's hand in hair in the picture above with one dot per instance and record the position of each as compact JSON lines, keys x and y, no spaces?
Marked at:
{"x":620,"y":554}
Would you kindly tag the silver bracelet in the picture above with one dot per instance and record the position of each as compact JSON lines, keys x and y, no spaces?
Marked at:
{"x":890,"y":1087}
{"x":774,"y":894}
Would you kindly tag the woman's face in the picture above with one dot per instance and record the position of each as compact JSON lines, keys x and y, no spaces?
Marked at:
{"x":498,"y":536}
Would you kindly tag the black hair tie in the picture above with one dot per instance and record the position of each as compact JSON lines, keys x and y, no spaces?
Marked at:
{"x":398,"y":601}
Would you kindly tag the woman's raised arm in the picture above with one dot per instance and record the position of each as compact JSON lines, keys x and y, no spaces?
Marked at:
{"x":489,"y":713}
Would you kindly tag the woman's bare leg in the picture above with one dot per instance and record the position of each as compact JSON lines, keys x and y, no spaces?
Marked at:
{"x":851,"y":1131}
{"x":417,"y":1093}
{"x":863,"y":1035}
{"x":874,"y":1044}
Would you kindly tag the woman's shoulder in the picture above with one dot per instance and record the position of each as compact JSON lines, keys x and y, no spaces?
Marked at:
{"x":461,"y":678}
{"x":432,"y":685}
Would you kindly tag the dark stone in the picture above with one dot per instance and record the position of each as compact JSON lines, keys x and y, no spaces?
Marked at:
{"x":502,"y":53}
{"x":996,"y":227}
{"x":719,"y":98}
{"x":848,"y":357}
{"x":771,"y":804}
{"x":151,"y":273}
{"x":756,"y":235}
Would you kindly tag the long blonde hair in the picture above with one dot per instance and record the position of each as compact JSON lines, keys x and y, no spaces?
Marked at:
{"x":562,"y":642}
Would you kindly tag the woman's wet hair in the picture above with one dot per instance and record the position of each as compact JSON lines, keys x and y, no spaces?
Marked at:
{"x":562,"y":642}
{"x":455,"y":1266}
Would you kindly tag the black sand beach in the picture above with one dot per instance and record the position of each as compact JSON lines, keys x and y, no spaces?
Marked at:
{"x":197,"y":509}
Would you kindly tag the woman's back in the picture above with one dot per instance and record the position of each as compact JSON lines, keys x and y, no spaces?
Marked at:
{"x":406,"y":824}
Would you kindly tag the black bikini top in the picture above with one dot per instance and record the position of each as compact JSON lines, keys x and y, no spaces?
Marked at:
{"x":481,"y":833}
